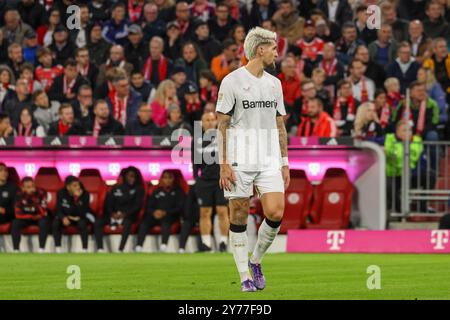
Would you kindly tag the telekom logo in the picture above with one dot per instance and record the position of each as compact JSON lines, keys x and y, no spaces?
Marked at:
{"x":335,"y":238}
{"x":439,"y":238}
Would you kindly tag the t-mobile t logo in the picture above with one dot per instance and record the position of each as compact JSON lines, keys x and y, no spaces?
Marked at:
{"x":335,"y":238}
{"x":439,"y":238}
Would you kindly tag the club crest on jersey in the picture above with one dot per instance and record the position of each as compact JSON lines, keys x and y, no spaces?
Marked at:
{"x":259,"y":104}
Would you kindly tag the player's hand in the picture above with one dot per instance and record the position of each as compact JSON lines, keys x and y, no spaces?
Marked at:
{"x":66,"y":221}
{"x":227,"y":177}
{"x":159,"y":214}
{"x":286,"y":176}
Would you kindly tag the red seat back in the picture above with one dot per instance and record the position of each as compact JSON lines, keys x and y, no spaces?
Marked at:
{"x":48,"y":178}
{"x":332,"y":201}
{"x":96,"y":186}
{"x":297,"y":201}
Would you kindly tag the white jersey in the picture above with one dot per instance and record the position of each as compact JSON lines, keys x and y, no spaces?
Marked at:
{"x":253,"y":104}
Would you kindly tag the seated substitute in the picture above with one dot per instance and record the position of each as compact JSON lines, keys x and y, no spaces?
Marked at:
{"x":122,"y":206}
{"x":72,"y":209}
{"x":8,"y":191}
{"x":30,"y":209}
{"x":164,"y":207}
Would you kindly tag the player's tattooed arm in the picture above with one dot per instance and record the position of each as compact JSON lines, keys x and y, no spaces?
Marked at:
{"x":282,"y":136}
{"x":223,"y":123}
{"x":227,"y":177}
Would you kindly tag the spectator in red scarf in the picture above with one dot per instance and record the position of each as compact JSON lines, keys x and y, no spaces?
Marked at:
{"x":290,"y":82}
{"x":134,"y":10}
{"x":208,"y":87}
{"x":363,"y":88}
{"x":184,"y":20}
{"x":65,"y":86}
{"x":123,"y":100}
{"x":334,"y":70}
{"x":102,"y":123}
{"x":424,"y":114}
{"x":191,"y":105}
{"x":28,"y":127}
{"x":384,"y":111}
{"x":66,"y":125}
{"x":30,"y":209}
{"x":202,"y":9}
{"x":316,"y":123}
{"x":116,"y":60}
{"x":165,"y":95}
{"x":345,"y":108}
{"x":85,"y":67}
{"x":157,"y":67}
{"x":393,"y":95}
{"x":46,"y":71}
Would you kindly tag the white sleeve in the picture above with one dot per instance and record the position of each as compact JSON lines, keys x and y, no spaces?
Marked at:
{"x":225,"y":98}
{"x":281,"y":110}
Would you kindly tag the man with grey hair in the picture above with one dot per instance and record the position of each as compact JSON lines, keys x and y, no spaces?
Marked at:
{"x":157,"y":66}
{"x":253,"y":151}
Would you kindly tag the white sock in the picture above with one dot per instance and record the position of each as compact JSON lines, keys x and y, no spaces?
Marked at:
{"x":206,"y":239}
{"x":266,"y":235}
{"x":224,"y":239}
{"x":239,"y":245}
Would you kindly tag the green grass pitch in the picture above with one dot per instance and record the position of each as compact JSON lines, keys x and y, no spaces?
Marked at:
{"x":213,"y":276}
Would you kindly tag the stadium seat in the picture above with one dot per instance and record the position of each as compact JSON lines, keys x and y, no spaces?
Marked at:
{"x":5,"y":228}
{"x":332,"y":200}
{"x":13,"y":176}
{"x":96,"y":186}
{"x":48,"y":179}
{"x":298,"y":201}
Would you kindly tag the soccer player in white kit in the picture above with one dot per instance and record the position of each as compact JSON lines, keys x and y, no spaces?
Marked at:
{"x":253,"y":151}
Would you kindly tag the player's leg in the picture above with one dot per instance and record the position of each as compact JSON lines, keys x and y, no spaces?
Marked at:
{"x":223,"y":215}
{"x":238,"y":235}
{"x":239,"y":200}
{"x":271,"y":188}
{"x":98,"y":233}
{"x":83,"y":228}
{"x":16,"y":229}
{"x":57,"y":233}
{"x":205,"y":228}
{"x":43,"y":233}
{"x":148,"y":222}
{"x":127,"y":224}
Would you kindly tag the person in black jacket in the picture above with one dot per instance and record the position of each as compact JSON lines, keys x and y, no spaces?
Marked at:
{"x":67,"y":125}
{"x":208,"y":191}
{"x":65,"y":87}
{"x":30,"y":209}
{"x":72,"y":209}
{"x":103,"y":123}
{"x":122,"y":206}
{"x":8,"y":191}
{"x":143,"y":125}
{"x":163,"y":207}
{"x":62,"y":46}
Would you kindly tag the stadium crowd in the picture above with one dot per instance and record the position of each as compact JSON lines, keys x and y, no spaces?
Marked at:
{"x":138,"y":67}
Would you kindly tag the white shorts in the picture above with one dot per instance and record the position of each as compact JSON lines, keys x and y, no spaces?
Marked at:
{"x":264,"y":181}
